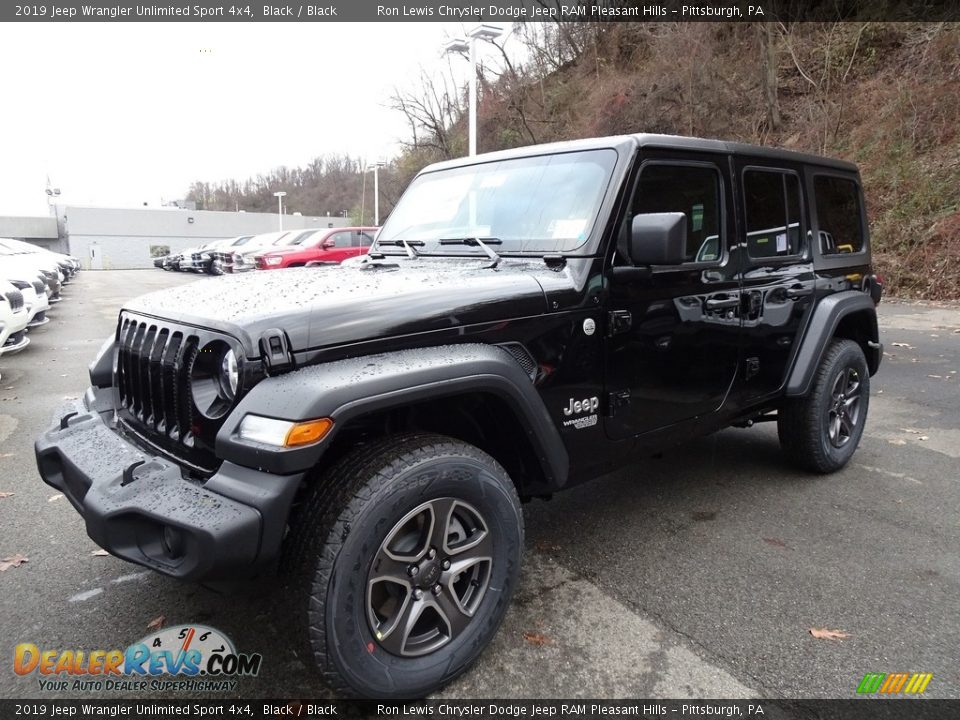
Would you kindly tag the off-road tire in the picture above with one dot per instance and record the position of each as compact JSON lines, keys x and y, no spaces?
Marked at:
{"x":340,"y":525}
{"x":803,"y":423}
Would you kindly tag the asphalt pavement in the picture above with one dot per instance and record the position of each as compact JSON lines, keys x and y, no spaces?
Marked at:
{"x":698,"y":574}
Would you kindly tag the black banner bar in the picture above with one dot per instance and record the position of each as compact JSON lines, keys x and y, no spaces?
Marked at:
{"x":478,"y":11}
{"x":857,"y":709}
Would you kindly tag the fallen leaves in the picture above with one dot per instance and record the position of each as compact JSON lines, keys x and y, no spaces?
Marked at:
{"x":546,"y":547}
{"x":5,"y":455}
{"x":903,"y":345}
{"x":776,"y":542}
{"x":826,"y":634}
{"x":538,"y":639}
{"x":54,"y":498}
{"x":5,"y":495}
{"x":14,"y":561}
{"x":100,"y":553}
{"x":157,"y":622}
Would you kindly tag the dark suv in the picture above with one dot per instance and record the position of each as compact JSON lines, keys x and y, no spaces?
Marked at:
{"x":526,"y":320}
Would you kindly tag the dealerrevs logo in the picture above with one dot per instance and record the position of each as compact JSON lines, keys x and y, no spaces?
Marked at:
{"x":182,"y":653}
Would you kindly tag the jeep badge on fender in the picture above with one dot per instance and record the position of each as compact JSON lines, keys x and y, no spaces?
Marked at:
{"x":579,"y":406}
{"x":732,"y":284}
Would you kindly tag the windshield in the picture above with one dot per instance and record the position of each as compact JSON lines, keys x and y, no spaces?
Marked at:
{"x":303,"y":237}
{"x":546,"y":203}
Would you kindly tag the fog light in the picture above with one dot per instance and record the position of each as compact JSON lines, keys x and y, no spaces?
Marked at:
{"x":174,"y":542}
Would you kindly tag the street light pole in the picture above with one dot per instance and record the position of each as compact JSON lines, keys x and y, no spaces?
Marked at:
{"x":376,"y":192}
{"x":459,"y":45}
{"x":279,"y":196}
{"x":472,"y":95}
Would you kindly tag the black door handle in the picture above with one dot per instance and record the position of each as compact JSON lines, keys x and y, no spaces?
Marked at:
{"x":795,"y":292}
{"x":719,"y":304}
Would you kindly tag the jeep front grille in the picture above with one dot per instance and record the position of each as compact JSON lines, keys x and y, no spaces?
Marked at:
{"x":15,"y":298}
{"x":153,"y":377}
{"x":154,"y":367}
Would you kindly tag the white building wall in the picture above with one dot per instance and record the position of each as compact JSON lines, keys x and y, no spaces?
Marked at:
{"x":125,"y":237}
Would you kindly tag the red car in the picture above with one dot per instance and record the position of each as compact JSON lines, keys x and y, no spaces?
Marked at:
{"x":332,"y":245}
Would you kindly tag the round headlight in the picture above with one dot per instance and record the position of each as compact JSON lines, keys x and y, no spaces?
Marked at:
{"x":215,"y":379}
{"x":229,"y":375}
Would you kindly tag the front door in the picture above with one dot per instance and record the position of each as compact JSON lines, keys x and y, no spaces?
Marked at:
{"x":673,"y":338}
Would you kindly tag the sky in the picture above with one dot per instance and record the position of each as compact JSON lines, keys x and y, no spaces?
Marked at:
{"x":118,"y":114}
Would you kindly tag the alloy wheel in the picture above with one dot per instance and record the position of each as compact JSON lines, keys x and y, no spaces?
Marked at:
{"x":429,"y":577}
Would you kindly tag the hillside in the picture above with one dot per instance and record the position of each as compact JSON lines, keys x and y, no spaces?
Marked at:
{"x":885,"y":95}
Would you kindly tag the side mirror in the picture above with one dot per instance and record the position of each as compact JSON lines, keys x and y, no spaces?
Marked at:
{"x":326,"y":244}
{"x":658,"y":239}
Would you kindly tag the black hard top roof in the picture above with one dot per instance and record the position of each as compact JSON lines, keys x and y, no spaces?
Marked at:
{"x":678,"y":142}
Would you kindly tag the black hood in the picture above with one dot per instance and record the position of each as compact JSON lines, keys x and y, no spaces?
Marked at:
{"x":329,"y":306}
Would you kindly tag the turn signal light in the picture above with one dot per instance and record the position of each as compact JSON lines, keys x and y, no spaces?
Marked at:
{"x":304,"y":433}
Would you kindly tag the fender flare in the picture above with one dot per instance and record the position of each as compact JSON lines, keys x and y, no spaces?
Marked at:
{"x":348,"y":389}
{"x":821,"y":327}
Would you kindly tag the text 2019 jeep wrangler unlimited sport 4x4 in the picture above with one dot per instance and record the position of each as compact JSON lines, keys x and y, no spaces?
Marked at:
{"x":526,"y":320}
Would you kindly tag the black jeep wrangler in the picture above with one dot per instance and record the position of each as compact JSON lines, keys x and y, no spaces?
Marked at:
{"x":526,"y":320}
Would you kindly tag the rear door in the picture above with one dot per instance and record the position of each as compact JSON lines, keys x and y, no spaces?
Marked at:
{"x":778,"y":279}
{"x":673,"y":338}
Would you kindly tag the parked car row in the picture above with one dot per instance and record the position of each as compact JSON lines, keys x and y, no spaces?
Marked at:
{"x":31,"y":279}
{"x":273,"y":251}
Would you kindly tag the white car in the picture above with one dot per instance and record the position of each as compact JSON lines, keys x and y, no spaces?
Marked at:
{"x":66,"y":264}
{"x":245,"y":259}
{"x":204,"y":259}
{"x":13,"y":319}
{"x":32,"y":263}
{"x":34,"y":291}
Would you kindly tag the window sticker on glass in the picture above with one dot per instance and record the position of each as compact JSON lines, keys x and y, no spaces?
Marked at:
{"x":569,"y":228}
{"x":781,"y":242}
{"x":697,"y":217}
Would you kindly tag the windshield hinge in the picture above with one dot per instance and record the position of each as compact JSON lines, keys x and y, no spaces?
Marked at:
{"x":275,"y":351}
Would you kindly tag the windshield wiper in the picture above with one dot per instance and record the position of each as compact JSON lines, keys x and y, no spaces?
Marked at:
{"x":406,"y":244}
{"x":483,"y":244}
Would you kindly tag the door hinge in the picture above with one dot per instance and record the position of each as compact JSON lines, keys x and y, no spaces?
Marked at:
{"x":618,"y":321}
{"x":617,"y":400}
{"x":751,"y":367}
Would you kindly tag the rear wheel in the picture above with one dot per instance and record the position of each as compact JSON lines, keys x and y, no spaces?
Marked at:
{"x":402,"y":562}
{"x":821,"y":431}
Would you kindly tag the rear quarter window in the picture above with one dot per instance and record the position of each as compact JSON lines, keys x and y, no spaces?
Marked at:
{"x":839,"y":215}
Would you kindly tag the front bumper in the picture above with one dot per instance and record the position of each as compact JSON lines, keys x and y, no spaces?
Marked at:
{"x":14,"y":342}
{"x":140,"y":507}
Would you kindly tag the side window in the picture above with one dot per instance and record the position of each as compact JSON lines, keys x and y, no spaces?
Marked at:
{"x":341,"y":239}
{"x":772,"y":205}
{"x":692,"y":190}
{"x":838,"y":215}
{"x":366,"y":240}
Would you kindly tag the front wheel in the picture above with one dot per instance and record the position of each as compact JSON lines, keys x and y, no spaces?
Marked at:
{"x":402,"y":561}
{"x":821,"y":431}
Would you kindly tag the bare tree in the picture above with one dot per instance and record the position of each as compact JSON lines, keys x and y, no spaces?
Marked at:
{"x":432,"y":109}
{"x":769,"y":60}
{"x":825,"y":69}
